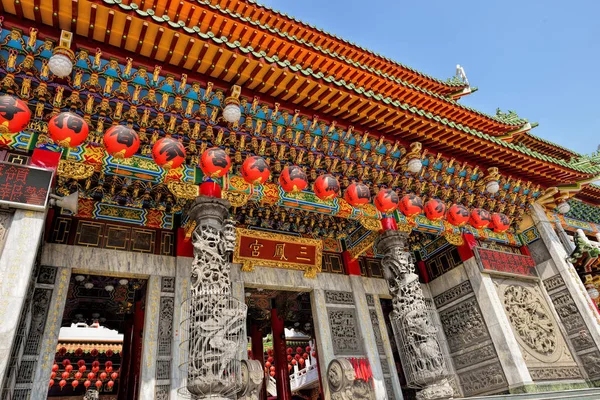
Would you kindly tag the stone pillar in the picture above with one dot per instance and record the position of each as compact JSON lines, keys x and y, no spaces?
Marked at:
{"x":366,"y":331}
{"x":16,"y":266}
{"x":214,"y":320}
{"x":150,"y":340}
{"x":422,"y":359}
{"x":564,"y":238}
{"x":498,"y":325}
{"x":325,"y":352}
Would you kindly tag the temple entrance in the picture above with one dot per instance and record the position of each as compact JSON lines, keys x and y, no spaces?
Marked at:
{"x":281,"y":331}
{"x":100,"y":342}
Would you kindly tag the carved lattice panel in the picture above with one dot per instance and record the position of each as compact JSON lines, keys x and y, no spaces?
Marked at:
{"x":344,"y":332}
{"x":165,"y":326}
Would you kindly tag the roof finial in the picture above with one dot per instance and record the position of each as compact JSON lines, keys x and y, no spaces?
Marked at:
{"x":460,"y":74}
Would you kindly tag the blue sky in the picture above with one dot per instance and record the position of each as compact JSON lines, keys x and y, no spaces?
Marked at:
{"x":538,"y":58}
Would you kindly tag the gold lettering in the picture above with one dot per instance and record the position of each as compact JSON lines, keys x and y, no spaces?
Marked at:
{"x":255,"y":247}
{"x":280,"y":251}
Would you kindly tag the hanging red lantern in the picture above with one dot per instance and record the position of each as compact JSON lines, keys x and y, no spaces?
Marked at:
{"x":66,"y":362}
{"x":62,"y":351}
{"x":386,"y":201}
{"x":215,"y":162}
{"x":290,"y":350}
{"x":267,"y":364}
{"x":68,"y":129}
{"x":270,"y":352}
{"x":62,"y":383}
{"x":435,"y":209}
{"x":314,"y":354}
{"x":411,"y":205}
{"x":94,"y":353}
{"x":78,"y":375}
{"x":480,"y":218}
{"x":307,"y":348}
{"x":80,"y":363}
{"x":297,"y":356}
{"x":98,"y":384}
{"x":168,"y":153}
{"x":109,"y":353}
{"x":82,"y":369}
{"x":121,"y":141}
{"x":500,"y":222}
{"x":326,"y":187}
{"x":293,"y":179}
{"x":87,"y":384}
{"x":270,"y":359}
{"x":289,"y":358}
{"x":51,"y":383}
{"x":65,"y":375}
{"x":289,"y":367}
{"x":272,"y":368}
{"x":301,"y":361}
{"x":305,"y":356}
{"x":95,"y":363}
{"x":75,"y":383}
{"x":110,"y":384}
{"x":53,"y":375}
{"x":55,"y":367}
{"x":272,"y":373}
{"x":79,"y":352}
{"x":210,"y":189}
{"x":69,"y":368}
{"x":255,"y":170}
{"x":103,"y":376}
{"x":294,"y":362}
{"x":91,"y":376}
{"x":357,"y":194}
{"x":108,"y":364}
{"x":458,"y":215}
{"x":14,"y":114}
{"x":114,"y":376}
{"x":298,"y":349}
{"x":109,"y":369}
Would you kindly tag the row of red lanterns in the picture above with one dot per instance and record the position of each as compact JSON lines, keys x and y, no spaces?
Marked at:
{"x":100,"y":378}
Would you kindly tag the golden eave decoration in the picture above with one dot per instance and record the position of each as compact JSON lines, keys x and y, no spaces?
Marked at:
{"x":74,"y":170}
{"x":267,"y":249}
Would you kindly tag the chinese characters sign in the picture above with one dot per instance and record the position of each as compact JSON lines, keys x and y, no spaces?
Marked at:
{"x":506,"y":263}
{"x":24,"y":187}
{"x":268,"y":249}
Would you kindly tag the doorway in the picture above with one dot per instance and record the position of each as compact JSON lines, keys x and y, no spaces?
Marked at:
{"x":282,"y":338}
{"x":100,"y":341}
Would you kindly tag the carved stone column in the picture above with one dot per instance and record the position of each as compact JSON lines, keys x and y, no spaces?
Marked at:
{"x":213,"y":319}
{"x":416,"y":335}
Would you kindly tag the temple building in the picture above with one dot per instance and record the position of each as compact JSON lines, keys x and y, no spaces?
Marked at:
{"x":211,"y":199}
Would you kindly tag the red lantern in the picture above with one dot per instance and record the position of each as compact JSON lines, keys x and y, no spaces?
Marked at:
{"x":68,"y":129}
{"x":62,"y":383}
{"x":91,"y":376}
{"x":121,"y":141}
{"x":51,"y":383}
{"x":94,"y":353}
{"x":458,"y":215}
{"x":95,"y":363}
{"x":270,"y":359}
{"x":108,"y":364}
{"x":103,"y":376}
{"x":66,"y":362}
{"x":110,"y":384}
{"x":69,"y":368}
{"x":62,"y":351}
{"x":301,"y":361}
{"x":95,"y":369}
{"x":75,"y":383}
{"x":314,"y":354}
{"x":272,"y":368}
{"x":298,"y":349}
{"x":215,"y":162}
{"x":357,"y":194}
{"x":270,"y":352}
{"x":114,"y":376}
{"x":109,"y":353}
{"x":293,"y":179}
{"x":168,"y":153}
{"x":98,"y":384}
{"x":80,"y":363}
{"x":79,"y":352}
{"x":109,"y":369}
{"x":307,"y":348}
{"x":14,"y":114}
{"x":297,"y":356}
{"x":65,"y":375}
{"x":290,"y":350}
{"x":55,"y":367}
{"x":480,"y":218}
{"x":294,"y":362}
{"x":267,"y":364}
{"x":255,"y":170}
{"x":82,"y":369}
{"x":87,"y":384}
{"x":289,"y":358}
{"x":411,"y":205}
{"x":327,"y":187}
{"x":53,"y":375}
{"x":289,"y":367}
{"x":500,"y":222}
{"x":210,"y":189}
{"x":78,"y":375}
{"x":435,"y":209}
{"x":272,"y":373}
{"x":386,"y":201}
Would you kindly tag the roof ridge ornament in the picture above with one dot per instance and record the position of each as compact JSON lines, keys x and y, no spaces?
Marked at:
{"x":461,"y":75}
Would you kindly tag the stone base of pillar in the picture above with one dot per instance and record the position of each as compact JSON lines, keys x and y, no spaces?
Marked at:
{"x":437,"y":391}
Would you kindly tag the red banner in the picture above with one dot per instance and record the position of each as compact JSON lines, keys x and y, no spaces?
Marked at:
{"x":506,"y":263}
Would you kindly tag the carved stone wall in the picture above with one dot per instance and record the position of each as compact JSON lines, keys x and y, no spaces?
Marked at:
{"x":577,"y":332}
{"x":165,"y":338}
{"x":385,"y":367}
{"x":345,"y":335}
{"x":544,"y":349}
{"x":471,"y":348}
{"x":5,"y":219}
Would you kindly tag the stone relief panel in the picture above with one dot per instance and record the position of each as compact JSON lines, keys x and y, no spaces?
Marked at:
{"x":463,"y":325}
{"x":377,"y":331}
{"x":338,"y":297}
{"x":577,"y":331}
{"x":344,"y":332}
{"x":165,"y":326}
{"x":483,"y":379}
{"x":452,"y":294}
{"x":167,"y":284}
{"x":544,"y":349}
{"x":474,"y":357}
{"x":47,"y":275}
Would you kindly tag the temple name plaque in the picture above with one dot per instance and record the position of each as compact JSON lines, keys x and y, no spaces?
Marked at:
{"x":22,"y":186}
{"x":267,"y":249}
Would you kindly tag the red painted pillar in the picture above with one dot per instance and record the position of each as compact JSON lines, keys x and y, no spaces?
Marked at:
{"x":258,"y":353}
{"x":351,"y":265}
{"x":284,"y":391}
{"x":466,"y":249}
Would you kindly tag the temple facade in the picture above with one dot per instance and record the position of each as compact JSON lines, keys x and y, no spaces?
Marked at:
{"x":210,"y":199}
